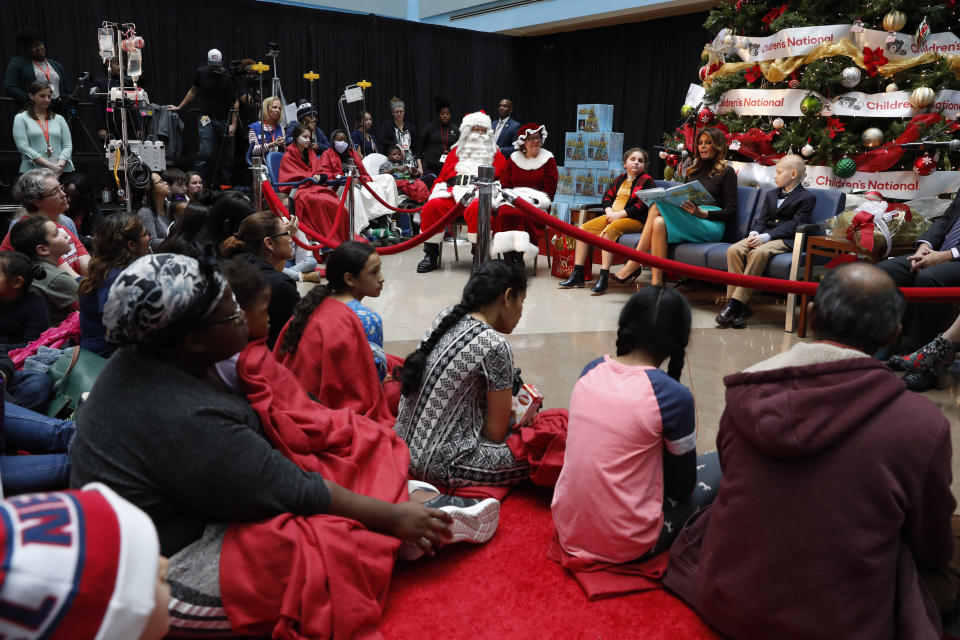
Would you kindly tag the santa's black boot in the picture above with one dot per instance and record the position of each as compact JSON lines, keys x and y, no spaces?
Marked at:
{"x":431,"y":257}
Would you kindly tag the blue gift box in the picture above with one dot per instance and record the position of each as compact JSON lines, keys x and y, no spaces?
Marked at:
{"x":566,"y":184}
{"x":595,"y":118}
{"x":575,"y":149}
{"x":561,"y":211}
{"x":604,"y":148}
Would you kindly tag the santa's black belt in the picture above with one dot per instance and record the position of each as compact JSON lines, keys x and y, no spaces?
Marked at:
{"x":463,"y":180}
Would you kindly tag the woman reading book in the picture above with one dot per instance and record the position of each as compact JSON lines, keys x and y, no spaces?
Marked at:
{"x":669,"y":224}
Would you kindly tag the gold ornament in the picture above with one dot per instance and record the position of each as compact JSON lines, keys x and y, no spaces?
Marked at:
{"x":922,"y":97}
{"x":872,"y":137}
{"x":894,"y":21}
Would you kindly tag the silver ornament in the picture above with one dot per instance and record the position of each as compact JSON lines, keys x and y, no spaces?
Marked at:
{"x":872,"y":137}
{"x":807,"y":150}
{"x":778,"y":123}
{"x":891,"y":88}
{"x":850,"y":77}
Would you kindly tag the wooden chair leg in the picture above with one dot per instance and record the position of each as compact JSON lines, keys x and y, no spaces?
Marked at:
{"x":799,"y":240}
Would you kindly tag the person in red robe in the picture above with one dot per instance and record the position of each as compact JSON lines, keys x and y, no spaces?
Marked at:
{"x":531,"y":172}
{"x":475,"y":148}
{"x":315,"y":204}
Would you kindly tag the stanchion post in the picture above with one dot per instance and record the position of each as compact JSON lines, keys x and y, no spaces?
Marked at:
{"x":485,"y":179}
{"x":256,"y":168}
{"x":354,"y":173}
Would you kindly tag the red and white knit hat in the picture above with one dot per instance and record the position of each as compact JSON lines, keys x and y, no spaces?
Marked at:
{"x":527,"y":129}
{"x":475,"y":119}
{"x":76,"y":565}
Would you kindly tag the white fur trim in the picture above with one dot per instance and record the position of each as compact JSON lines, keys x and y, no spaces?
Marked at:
{"x":531,"y":252}
{"x":476,"y":119}
{"x":460,"y":190}
{"x":528,"y":194}
{"x":530,"y":164}
{"x":506,"y":241}
{"x":440,"y":191}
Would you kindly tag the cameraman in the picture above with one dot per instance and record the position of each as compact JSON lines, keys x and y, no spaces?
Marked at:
{"x":216,"y":103}
{"x":249,"y":93}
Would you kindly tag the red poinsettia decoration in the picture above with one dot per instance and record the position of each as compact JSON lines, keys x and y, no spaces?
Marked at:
{"x":773,"y":14}
{"x":834,"y":126}
{"x":873,"y":58}
{"x":753,"y":73}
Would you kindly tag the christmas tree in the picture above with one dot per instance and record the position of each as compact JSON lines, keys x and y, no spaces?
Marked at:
{"x":841,"y":82}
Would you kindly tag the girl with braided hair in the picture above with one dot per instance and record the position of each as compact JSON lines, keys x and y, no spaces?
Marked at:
{"x":457,"y":386}
{"x":630,"y":473}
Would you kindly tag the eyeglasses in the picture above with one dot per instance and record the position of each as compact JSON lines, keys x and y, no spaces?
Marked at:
{"x":277,"y":235}
{"x":236,"y":318}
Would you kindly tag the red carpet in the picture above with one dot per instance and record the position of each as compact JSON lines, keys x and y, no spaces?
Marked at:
{"x":508,"y":589}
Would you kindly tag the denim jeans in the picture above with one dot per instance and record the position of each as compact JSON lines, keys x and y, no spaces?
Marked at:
{"x":30,"y":389}
{"x":208,"y":144}
{"x":48,"y":439}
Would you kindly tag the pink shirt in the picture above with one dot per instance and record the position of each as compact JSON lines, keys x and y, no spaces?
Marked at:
{"x":608,"y":502}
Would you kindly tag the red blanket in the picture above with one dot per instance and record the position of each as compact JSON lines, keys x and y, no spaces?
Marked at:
{"x":605,"y":580}
{"x":312,"y":576}
{"x":333,"y":362}
{"x":315,"y":204}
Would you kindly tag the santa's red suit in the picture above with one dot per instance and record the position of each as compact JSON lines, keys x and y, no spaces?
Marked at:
{"x":447,"y":191}
{"x":535,"y":179}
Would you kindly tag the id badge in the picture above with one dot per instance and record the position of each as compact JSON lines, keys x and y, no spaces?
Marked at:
{"x":204,"y":121}
{"x":443,"y":158}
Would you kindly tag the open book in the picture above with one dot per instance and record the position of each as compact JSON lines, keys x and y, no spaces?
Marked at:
{"x":692,"y":191}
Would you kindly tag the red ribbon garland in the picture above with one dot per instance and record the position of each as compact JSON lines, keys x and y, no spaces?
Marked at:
{"x":773,"y":15}
{"x":889,"y":154}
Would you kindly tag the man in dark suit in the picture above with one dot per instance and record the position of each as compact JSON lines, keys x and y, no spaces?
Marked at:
{"x":506,"y":129}
{"x":771,"y":233}
{"x":935,"y":263}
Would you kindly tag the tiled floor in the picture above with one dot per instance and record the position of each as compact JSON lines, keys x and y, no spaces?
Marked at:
{"x":561,"y":330}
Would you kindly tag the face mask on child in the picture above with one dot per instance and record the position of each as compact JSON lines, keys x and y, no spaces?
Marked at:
{"x":340,"y":146}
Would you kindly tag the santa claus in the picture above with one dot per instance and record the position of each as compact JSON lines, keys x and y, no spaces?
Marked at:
{"x":457,"y":179}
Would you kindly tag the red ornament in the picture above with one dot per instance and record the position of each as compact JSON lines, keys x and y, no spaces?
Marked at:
{"x":708,"y":69}
{"x":924,"y":165}
{"x":705,"y":117}
{"x":872,"y":59}
{"x":874,"y":196}
{"x":672,"y":160}
{"x":753,"y":73}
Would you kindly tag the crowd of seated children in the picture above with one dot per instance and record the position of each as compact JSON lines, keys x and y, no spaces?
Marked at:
{"x":44,"y":243}
{"x":458,"y":386}
{"x":624,"y":212}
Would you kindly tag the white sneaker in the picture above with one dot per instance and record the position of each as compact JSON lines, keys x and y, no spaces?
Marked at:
{"x":473,"y":520}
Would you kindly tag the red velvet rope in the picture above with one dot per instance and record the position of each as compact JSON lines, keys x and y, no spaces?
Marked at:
{"x":387,"y":204}
{"x":926,"y":294}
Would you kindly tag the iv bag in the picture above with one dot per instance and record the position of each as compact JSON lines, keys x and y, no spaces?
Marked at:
{"x":105,"y":40}
{"x":133,"y":65}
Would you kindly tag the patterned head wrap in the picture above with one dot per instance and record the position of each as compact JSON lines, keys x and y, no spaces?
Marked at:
{"x":159,"y":296}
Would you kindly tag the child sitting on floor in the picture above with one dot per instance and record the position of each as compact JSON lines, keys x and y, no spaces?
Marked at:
{"x":45,"y":243}
{"x":23,"y":313}
{"x":252,"y":292}
{"x":629,"y":478}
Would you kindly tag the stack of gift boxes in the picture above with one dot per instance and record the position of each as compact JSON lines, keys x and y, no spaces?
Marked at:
{"x":591,"y":160}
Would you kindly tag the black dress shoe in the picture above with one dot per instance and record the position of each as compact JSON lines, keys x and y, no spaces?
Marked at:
{"x":921,"y":381}
{"x":575,"y":280}
{"x":727,"y":317}
{"x":628,"y":279}
{"x":600,"y":286}
{"x":741,"y":320}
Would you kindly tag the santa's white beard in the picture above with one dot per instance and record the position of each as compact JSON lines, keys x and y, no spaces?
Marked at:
{"x":474,"y":150}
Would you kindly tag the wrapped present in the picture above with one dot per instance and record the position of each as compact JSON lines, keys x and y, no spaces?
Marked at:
{"x":526,"y":404}
{"x":566,"y":184}
{"x":562,"y":253}
{"x":876,"y":227}
{"x":594,"y":118}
